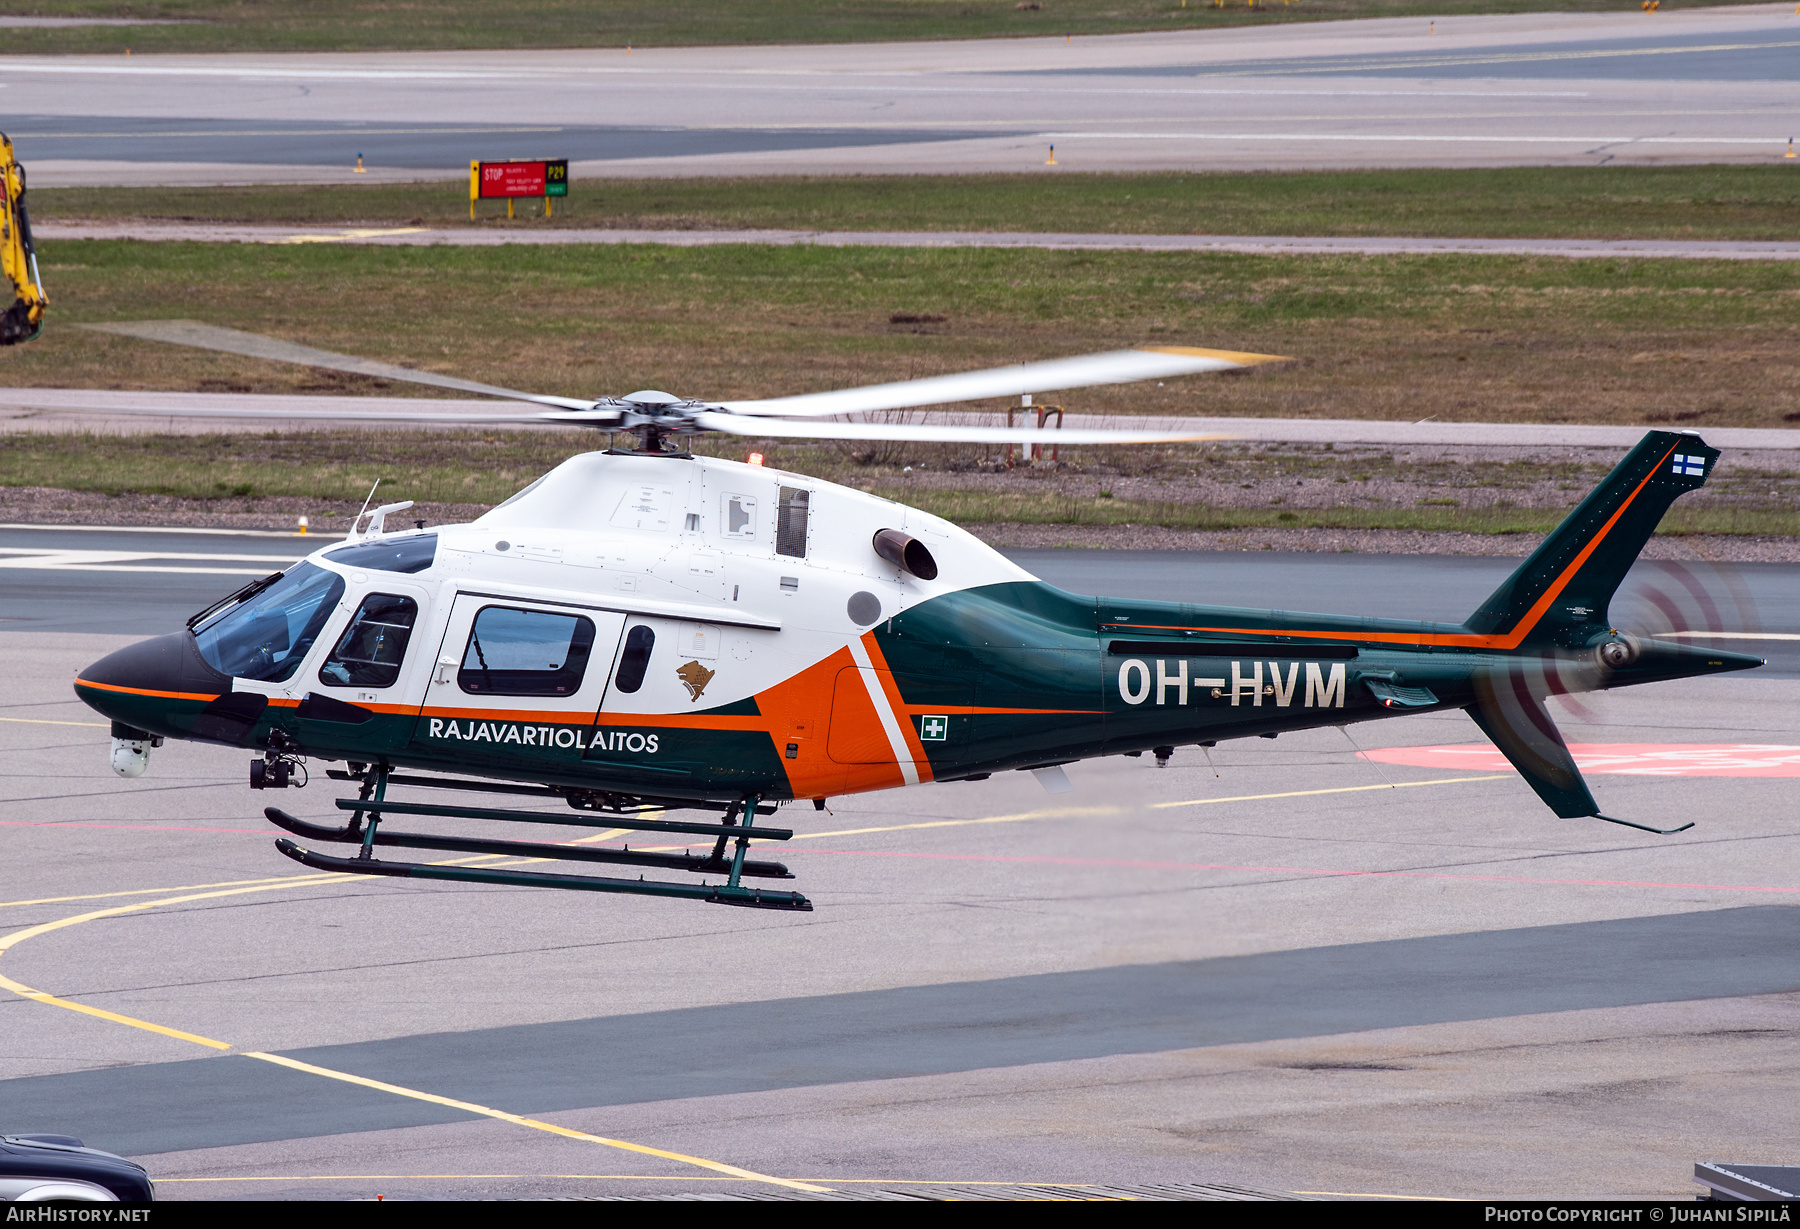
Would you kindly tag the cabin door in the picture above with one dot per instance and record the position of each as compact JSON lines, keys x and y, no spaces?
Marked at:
{"x":516,"y":683}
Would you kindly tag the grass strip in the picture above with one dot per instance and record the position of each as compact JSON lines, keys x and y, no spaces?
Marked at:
{"x":1451,"y":338}
{"x":341,"y":466}
{"x":371,"y":25}
{"x":1612,"y":202}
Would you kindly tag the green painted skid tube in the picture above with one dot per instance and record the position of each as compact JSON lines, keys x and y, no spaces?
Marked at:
{"x":697,"y":863}
{"x":535,"y":791}
{"x":578,"y":820}
{"x":486,"y":787}
{"x":718,"y":894}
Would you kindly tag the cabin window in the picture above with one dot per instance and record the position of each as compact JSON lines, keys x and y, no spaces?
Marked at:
{"x":635,"y":660}
{"x":526,"y":653}
{"x":371,"y":649}
{"x":790,"y":522}
{"x":267,"y":637}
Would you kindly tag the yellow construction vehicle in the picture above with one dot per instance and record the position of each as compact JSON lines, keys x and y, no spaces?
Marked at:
{"x":23,"y":318}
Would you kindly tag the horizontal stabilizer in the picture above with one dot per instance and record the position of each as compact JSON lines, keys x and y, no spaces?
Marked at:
{"x":1515,"y":721}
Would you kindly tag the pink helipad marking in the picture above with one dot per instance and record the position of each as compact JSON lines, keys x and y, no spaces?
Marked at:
{"x":1631,"y":759}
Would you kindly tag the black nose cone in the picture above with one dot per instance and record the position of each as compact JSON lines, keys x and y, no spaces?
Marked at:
{"x":139,"y":683}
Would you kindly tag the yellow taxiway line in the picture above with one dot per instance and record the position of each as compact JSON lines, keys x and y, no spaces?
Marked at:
{"x":38,"y":996}
{"x":43,"y":721}
{"x":180,"y":887}
{"x":1342,"y":789}
{"x":242,"y":887}
{"x":17,"y":937}
{"x":535,"y":1123}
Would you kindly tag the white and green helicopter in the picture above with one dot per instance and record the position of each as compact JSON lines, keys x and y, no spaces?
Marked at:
{"x":645,"y":631}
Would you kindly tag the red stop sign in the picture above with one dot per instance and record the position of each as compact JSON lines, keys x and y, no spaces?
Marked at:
{"x":500,"y":179}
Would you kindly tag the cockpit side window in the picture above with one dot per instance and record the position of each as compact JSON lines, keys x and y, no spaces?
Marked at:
{"x":371,"y":649}
{"x":267,"y":637}
{"x":526,"y":653}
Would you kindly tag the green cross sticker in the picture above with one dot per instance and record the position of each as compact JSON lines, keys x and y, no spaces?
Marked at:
{"x":934,"y":729}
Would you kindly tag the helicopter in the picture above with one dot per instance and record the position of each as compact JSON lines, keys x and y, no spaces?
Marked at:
{"x":645,"y":632}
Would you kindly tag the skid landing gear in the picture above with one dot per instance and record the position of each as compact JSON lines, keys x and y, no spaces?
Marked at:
{"x":727,"y":856}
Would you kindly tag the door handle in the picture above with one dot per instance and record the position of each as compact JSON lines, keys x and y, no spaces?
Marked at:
{"x":445,"y":667}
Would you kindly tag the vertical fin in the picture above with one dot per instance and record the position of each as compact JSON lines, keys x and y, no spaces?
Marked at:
{"x":1570,"y":579}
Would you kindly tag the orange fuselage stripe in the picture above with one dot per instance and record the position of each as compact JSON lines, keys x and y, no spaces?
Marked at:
{"x":146,"y":691}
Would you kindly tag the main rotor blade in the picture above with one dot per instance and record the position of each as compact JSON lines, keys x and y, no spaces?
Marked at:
{"x":1083,"y":371}
{"x":932,"y":433}
{"x":423,"y":415}
{"x":254,"y":345}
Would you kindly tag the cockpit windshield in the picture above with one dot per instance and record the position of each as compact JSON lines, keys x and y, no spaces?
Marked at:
{"x":268,"y":636}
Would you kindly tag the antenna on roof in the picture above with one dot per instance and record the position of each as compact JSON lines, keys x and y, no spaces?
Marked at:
{"x":362,"y":510}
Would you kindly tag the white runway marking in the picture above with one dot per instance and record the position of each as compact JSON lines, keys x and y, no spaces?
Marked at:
{"x":1342,"y":137}
{"x":153,"y":562}
{"x":225,"y":533}
{"x":1728,"y":636}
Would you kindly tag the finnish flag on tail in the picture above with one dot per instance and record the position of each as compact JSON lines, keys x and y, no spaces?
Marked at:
{"x":1690,"y":467}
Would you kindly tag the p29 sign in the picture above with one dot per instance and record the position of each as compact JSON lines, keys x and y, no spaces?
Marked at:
{"x":512,"y":179}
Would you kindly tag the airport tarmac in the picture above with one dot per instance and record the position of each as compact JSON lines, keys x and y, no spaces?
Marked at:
{"x":1695,"y":85}
{"x":1308,"y":973}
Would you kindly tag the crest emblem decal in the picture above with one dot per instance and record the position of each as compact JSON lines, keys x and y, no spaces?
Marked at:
{"x":694,"y":677}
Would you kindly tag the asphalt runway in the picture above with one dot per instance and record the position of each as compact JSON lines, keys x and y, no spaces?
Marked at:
{"x":1694,"y":85}
{"x":1306,"y":973}
{"x":424,"y":147}
{"x":1752,"y":55}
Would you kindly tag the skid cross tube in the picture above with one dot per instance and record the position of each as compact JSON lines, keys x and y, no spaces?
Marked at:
{"x":575,"y":820}
{"x":697,"y":863}
{"x":574,"y":797}
{"x":721,"y":894}
{"x":487,"y":787}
